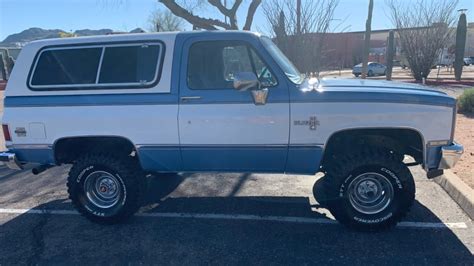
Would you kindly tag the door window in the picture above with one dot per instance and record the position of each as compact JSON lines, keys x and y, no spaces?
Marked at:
{"x":213,"y":65}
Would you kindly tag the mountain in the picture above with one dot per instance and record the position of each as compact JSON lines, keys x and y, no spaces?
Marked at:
{"x":32,"y":34}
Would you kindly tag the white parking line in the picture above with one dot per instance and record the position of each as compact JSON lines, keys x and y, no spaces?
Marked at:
{"x":248,"y":217}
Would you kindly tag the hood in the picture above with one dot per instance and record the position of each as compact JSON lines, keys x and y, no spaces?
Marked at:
{"x":374,"y":91}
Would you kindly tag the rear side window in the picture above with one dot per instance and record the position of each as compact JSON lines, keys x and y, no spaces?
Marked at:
{"x":135,"y":64}
{"x":66,"y":67}
{"x":97,"y":67}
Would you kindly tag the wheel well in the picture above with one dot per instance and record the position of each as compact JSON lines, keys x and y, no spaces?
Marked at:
{"x":67,"y":150}
{"x":400,"y":141}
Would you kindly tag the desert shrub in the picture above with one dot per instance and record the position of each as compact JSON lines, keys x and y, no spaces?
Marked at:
{"x":466,"y":101}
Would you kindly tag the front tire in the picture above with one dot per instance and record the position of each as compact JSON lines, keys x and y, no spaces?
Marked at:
{"x":106,"y":189}
{"x":370,"y":190}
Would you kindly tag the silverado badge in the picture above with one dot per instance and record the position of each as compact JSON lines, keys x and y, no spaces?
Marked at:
{"x":312,"y":122}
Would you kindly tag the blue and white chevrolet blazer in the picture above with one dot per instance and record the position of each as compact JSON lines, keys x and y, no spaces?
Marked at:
{"x":120,"y":107}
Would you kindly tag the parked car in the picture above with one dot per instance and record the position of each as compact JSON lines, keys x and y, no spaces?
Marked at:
{"x":119,"y":107}
{"x":468,"y":61}
{"x":373,"y":69}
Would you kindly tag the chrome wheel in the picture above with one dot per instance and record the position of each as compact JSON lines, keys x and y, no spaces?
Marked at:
{"x":102,"y":189}
{"x":370,"y":193}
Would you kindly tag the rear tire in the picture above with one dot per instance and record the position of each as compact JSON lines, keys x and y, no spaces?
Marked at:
{"x":106,"y":189}
{"x":370,"y":190}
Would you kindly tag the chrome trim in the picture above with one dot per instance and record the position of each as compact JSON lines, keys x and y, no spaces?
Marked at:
{"x":188,"y":98}
{"x":138,"y":146}
{"x":10,"y":160}
{"x":434,"y":143}
{"x":450,"y":155}
{"x":453,"y":124}
{"x":100,"y":65}
{"x":30,"y":146}
{"x":370,"y":193}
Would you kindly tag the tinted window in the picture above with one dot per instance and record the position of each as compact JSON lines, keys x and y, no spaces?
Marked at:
{"x":285,"y":64}
{"x":129,"y":64}
{"x":212,"y":65}
{"x":235,"y":59}
{"x":67,"y":67}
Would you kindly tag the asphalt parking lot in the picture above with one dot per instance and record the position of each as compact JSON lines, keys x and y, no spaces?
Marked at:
{"x":222,"y":219}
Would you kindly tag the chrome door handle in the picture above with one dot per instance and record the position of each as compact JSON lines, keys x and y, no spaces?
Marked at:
{"x":187,"y":98}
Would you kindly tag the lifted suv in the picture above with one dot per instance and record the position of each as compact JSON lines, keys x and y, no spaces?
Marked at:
{"x":119,"y":107}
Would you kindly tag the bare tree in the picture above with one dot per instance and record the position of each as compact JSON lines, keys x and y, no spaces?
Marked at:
{"x":300,"y":28}
{"x":165,"y":21}
{"x":423,"y":27}
{"x":182,"y":9}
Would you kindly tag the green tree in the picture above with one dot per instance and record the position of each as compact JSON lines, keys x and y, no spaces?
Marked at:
{"x":461,"y":32}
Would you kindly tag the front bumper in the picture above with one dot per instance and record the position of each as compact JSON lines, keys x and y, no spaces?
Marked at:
{"x":450,"y":155}
{"x":10,"y":160}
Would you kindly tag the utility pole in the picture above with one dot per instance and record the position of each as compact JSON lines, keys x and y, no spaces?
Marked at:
{"x":390,"y":55}
{"x":368,"y":24}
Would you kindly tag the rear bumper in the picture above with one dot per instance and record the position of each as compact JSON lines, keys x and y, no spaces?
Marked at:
{"x":10,"y":160}
{"x":450,"y":155}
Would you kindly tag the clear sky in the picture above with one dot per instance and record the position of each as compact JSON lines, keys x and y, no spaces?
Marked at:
{"x":125,"y":15}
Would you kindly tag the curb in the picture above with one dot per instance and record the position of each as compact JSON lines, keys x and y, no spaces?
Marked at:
{"x":461,"y":193}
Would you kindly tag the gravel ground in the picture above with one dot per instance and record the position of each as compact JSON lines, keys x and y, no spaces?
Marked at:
{"x":464,"y":134}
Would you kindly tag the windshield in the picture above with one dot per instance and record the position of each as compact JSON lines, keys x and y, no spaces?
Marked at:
{"x":285,"y":64}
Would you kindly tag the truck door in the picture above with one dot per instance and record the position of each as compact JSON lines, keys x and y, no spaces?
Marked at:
{"x":220,"y":128}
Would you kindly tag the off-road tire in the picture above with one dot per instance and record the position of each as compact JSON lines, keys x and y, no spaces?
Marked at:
{"x":339,"y":175}
{"x":128,"y":174}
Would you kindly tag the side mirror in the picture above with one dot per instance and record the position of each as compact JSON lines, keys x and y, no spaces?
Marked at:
{"x":245,"y":80}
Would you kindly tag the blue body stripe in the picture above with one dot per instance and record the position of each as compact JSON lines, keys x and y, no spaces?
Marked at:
{"x":238,"y":158}
{"x":160,"y":159}
{"x":38,"y":156}
{"x":304,"y":159}
{"x":91,"y":100}
{"x":168,"y":98}
{"x":326,"y":96}
{"x":246,"y":159}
